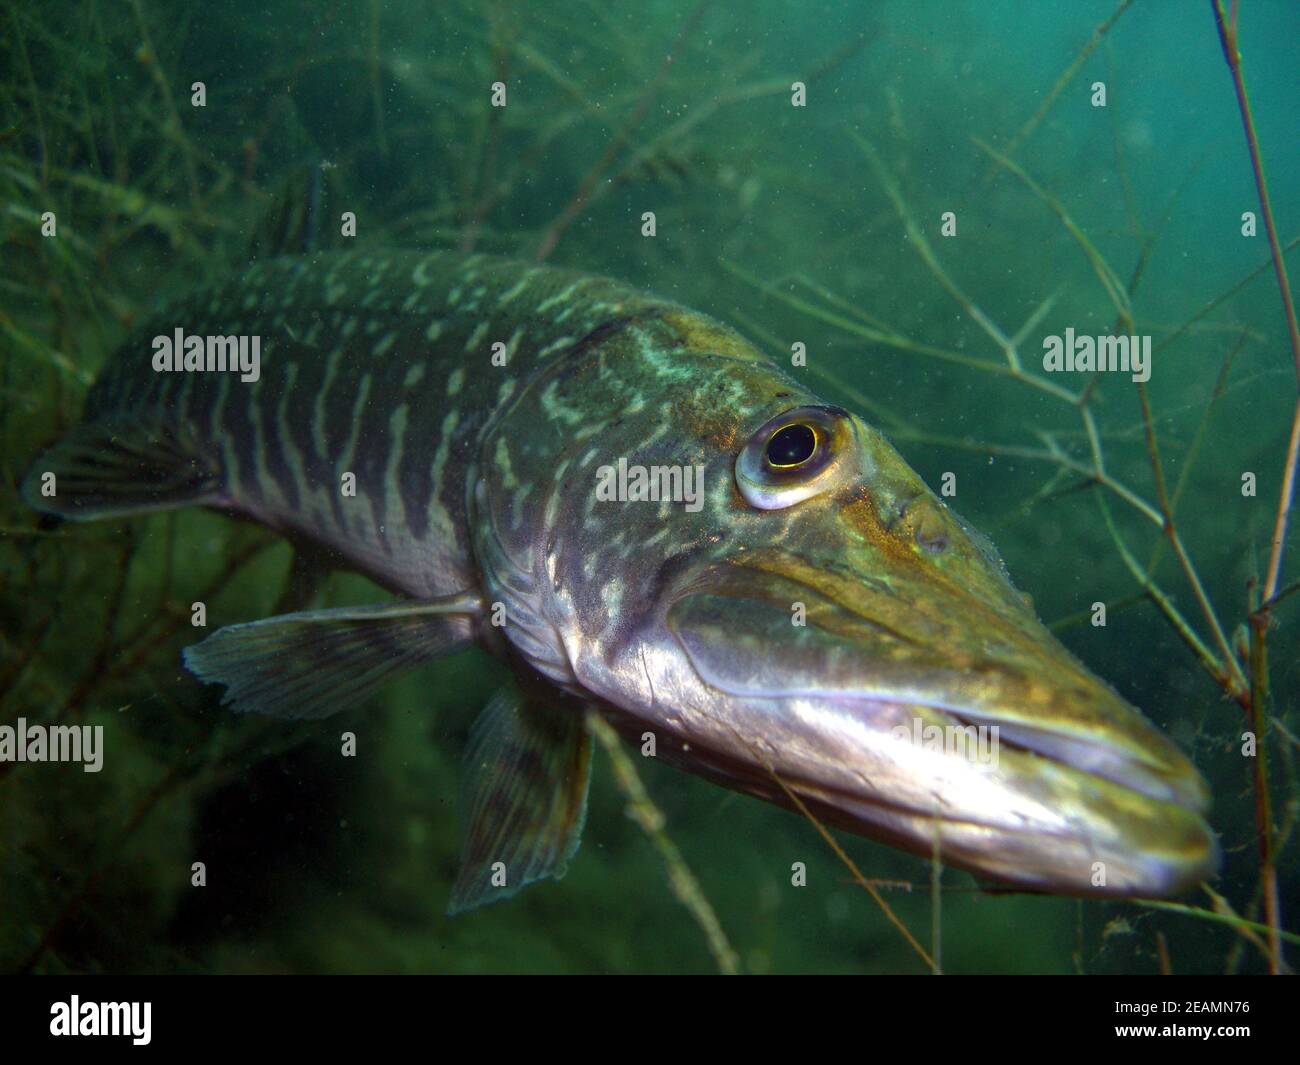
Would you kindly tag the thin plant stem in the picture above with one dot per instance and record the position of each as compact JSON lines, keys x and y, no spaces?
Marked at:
{"x":647,"y":815}
{"x":1066,"y":76}
{"x":1259,"y":619}
{"x":868,"y":886}
{"x":558,"y":227}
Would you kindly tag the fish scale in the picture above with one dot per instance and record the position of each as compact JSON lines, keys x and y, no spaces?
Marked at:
{"x":412,"y":527}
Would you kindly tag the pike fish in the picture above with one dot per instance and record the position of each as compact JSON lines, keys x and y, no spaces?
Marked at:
{"x":443,"y":423}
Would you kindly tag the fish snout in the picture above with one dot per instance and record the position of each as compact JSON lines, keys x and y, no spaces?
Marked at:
{"x":991,"y":740}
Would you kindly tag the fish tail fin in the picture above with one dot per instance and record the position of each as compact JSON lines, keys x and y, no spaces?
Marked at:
{"x":116,"y":468}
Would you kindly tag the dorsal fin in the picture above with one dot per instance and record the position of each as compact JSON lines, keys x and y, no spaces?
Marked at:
{"x":294,"y":221}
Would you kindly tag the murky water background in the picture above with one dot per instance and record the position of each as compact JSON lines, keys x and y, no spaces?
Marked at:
{"x":769,"y":216}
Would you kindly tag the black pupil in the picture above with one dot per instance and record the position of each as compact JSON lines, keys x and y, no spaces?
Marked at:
{"x":791,"y":445}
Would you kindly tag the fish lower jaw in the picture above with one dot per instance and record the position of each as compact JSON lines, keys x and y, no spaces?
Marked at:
{"x":1170,"y":855}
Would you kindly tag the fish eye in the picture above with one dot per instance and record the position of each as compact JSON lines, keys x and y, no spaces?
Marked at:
{"x":791,"y":445}
{"x":794,"y":456}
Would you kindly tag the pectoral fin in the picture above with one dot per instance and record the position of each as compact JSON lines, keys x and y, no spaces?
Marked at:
{"x":523,"y":798}
{"x":316,"y":663}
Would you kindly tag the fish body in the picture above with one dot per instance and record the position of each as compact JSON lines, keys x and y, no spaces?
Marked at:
{"x":639,"y":513}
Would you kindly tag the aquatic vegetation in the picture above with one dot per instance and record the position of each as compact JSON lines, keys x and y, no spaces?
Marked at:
{"x":819,"y":226}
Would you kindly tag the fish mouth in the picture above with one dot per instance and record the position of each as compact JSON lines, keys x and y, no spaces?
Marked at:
{"x":1053,"y":811}
{"x":1179,"y":784}
{"x":1050,"y":814}
{"x":1081,"y":780}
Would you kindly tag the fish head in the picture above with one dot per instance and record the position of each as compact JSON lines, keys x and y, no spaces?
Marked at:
{"x":849,"y":644}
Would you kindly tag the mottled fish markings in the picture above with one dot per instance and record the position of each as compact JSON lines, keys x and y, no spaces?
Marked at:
{"x":476,"y":494}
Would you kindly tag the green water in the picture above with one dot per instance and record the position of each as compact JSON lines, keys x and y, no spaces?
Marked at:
{"x":770,"y":216}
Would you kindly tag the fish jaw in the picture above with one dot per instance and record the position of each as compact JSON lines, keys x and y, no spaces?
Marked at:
{"x":1069,"y":808}
{"x":1025,"y":820}
{"x":821,"y":657}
